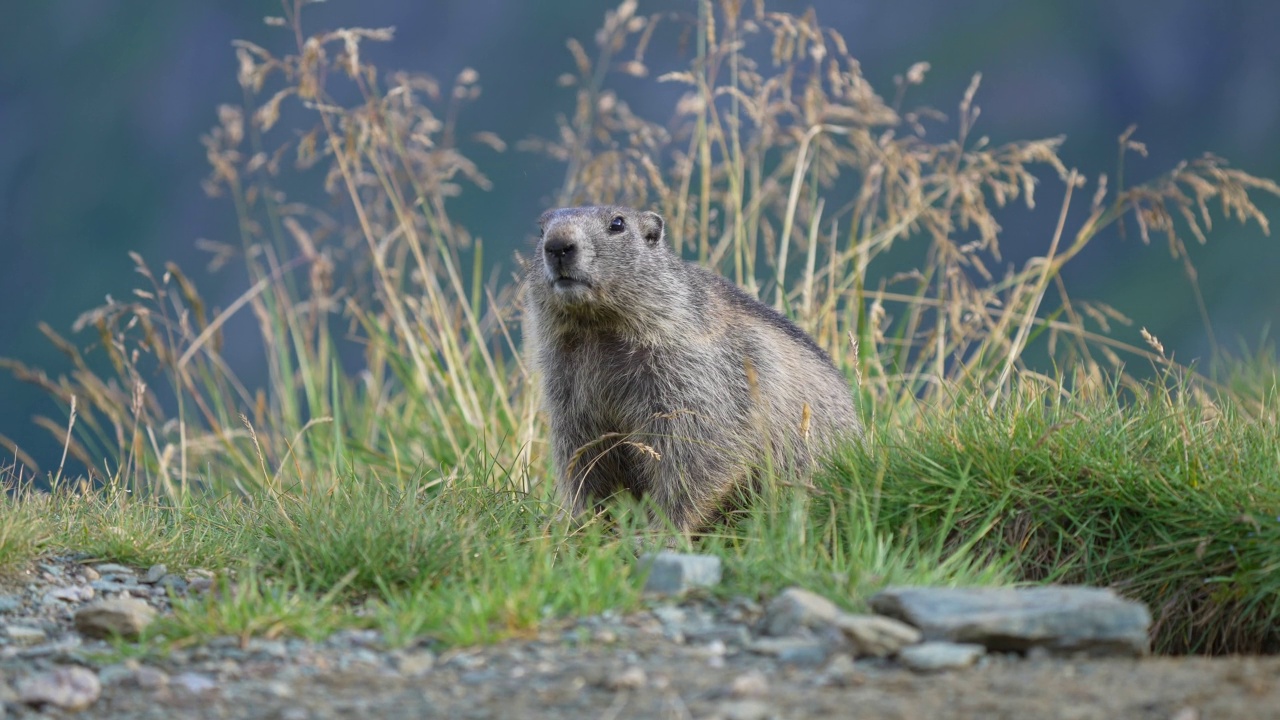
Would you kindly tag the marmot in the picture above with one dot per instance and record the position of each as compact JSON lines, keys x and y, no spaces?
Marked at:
{"x":663,"y":379}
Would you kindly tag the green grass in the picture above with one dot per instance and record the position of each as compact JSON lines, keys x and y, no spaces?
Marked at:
{"x":463,"y":566}
{"x":1162,"y":494}
{"x":408,"y":491}
{"x":1169,"y":499}
{"x":24,"y":533}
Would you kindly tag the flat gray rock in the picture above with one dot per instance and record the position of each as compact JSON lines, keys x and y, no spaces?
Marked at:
{"x":672,"y":573}
{"x":937,"y":656}
{"x":793,"y":651}
{"x":24,"y":635}
{"x":876,"y":635}
{"x":797,"y":608}
{"x":1061,"y":619}
{"x":125,"y":617}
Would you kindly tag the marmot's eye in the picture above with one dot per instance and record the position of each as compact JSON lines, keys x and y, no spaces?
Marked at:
{"x":617,"y":224}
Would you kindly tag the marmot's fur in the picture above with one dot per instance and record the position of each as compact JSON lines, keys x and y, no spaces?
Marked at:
{"x":662,"y":379}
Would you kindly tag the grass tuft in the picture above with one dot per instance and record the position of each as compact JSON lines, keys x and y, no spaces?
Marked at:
{"x":23,"y":533}
{"x":1164,"y":497}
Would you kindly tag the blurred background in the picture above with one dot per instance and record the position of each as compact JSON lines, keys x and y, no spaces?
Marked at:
{"x":102,"y":104}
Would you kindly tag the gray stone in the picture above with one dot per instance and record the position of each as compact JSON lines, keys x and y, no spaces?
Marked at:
{"x":670,"y":614}
{"x":122,"y":616}
{"x":194,"y":683}
{"x":70,"y":687}
{"x":172,"y":582}
{"x":478,"y":677}
{"x":752,"y":683}
{"x":797,"y":608}
{"x":278,"y":689}
{"x":109,"y":586}
{"x":117,"y":673}
{"x":199,"y":584}
{"x":875,"y":635}
{"x":126,"y":580}
{"x":1059,"y":618}
{"x":268,"y":648}
{"x":672,"y":573}
{"x":150,"y":678}
{"x":744,"y":710}
{"x":842,"y":671}
{"x":793,"y":651}
{"x":731,"y":634}
{"x":416,"y":663}
{"x":358,"y":657}
{"x":23,"y":635}
{"x":365,"y":638}
{"x":630,"y":678}
{"x":10,"y":603}
{"x":154,"y":573}
{"x":935,"y":656}
{"x":113,"y":569}
{"x":69,"y":593}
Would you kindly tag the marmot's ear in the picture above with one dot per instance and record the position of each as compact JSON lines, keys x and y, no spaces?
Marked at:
{"x":651,"y":227}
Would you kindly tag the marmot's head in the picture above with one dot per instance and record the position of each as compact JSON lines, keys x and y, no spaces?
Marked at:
{"x":601,"y":260}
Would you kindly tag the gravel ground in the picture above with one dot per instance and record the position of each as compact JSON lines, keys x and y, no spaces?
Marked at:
{"x":698,"y":659}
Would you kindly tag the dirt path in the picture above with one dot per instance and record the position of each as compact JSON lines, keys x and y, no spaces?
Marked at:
{"x":660,"y":679}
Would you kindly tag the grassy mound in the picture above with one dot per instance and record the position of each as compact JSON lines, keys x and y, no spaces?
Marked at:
{"x":1168,"y":499}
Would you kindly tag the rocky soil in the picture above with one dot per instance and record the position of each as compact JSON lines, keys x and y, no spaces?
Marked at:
{"x":1072,"y":655}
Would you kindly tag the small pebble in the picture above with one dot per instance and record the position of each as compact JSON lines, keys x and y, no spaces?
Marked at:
{"x":842,"y":672}
{"x":200,"y":584}
{"x":194,"y":683}
{"x":794,"y":651}
{"x":149,"y":678}
{"x":23,"y":635}
{"x":749,"y":684}
{"x":745,"y":710}
{"x":70,"y":687}
{"x":937,"y":656}
{"x":631,"y":678}
{"x":415,"y":664}
{"x":154,"y":573}
{"x":671,"y":573}
{"x":279,"y":689}
{"x":118,"y":673}
{"x":70,"y":593}
{"x":125,"y":617}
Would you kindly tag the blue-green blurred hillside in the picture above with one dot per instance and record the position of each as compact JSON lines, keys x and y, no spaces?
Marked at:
{"x":102,"y":103}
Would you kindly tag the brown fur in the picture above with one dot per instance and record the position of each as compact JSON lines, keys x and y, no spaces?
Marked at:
{"x":665,"y":380}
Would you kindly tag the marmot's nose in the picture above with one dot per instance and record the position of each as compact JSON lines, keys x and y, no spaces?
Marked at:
{"x":559,"y":247}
